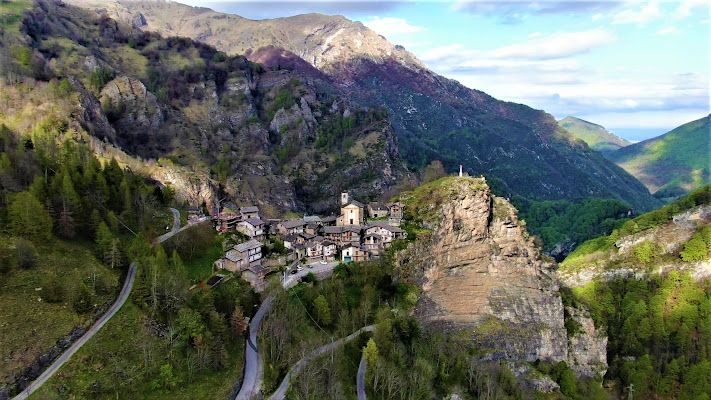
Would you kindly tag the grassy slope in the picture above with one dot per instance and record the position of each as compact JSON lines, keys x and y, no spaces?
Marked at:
{"x":596,"y":136}
{"x":30,"y":326}
{"x":677,"y":161}
{"x":115,"y":359}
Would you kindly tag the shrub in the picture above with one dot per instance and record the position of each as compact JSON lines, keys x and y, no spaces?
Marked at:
{"x":26,"y":254}
{"x":52,"y":289}
{"x":694,"y":250}
{"x":82,"y":301}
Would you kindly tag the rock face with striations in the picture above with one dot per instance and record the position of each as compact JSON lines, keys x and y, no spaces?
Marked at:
{"x":482,"y":277}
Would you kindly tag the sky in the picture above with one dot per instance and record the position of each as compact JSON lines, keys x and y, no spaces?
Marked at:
{"x":639,"y":68}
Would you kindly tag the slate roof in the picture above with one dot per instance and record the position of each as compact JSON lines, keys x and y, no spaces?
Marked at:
{"x":379,"y":206}
{"x":332,"y":229}
{"x":254,"y":221}
{"x":252,"y":244}
{"x":293,"y":223}
{"x":328,"y":219}
{"x":355,"y":203}
{"x":249,"y":209}
{"x":312,"y":218}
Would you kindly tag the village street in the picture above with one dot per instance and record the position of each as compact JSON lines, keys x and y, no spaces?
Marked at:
{"x":317,"y":268}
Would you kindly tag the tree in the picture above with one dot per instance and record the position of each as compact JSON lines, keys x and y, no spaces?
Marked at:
{"x":66,"y":222}
{"x":370,"y":352}
{"x":323,"y":311}
{"x":52,"y":289}
{"x":166,"y":378}
{"x":82,"y":301}
{"x":28,"y":218}
{"x":26,"y":253}
{"x":237,"y":321}
{"x":433,"y":171}
{"x":112,"y":256}
{"x":694,"y":250}
{"x":104,"y":238}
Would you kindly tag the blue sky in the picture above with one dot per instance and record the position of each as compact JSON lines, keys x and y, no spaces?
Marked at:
{"x":637,"y":68}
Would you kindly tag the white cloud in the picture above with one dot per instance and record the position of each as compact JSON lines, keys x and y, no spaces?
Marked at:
{"x":557,"y":45}
{"x":687,"y":6}
{"x":669,"y":30}
{"x":647,"y":13}
{"x":391,"y":26}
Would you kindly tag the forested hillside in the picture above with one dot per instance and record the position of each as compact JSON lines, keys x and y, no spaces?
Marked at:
{"x":647,"y":285}
{"x":672,"y":164}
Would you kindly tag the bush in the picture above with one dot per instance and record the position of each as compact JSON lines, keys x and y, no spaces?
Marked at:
{"x":52,"y":289}
{"x":26,"y":254}
{"x":6,"y":260}
{"x":694,"y":250}
{"x":82,"y":302}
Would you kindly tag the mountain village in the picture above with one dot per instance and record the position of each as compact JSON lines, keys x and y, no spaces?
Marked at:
{"x":360,"y":233}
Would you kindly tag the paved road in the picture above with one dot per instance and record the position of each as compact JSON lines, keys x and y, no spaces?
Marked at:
{"x":316,"y":268}
{"x":125,"y":291}
{"x":251,"y":385}
{"x":360,"y":378}
{"x":123,"y":296}
{"x":280,"y":393}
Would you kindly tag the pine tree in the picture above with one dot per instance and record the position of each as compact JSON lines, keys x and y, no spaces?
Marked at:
{"x":28,"y":218}
{"x":104,"y":238}
{"x":96,"y":220}
{"x":66,"y":222}
{"x":112,"y":257}
{"x":82,"y":302}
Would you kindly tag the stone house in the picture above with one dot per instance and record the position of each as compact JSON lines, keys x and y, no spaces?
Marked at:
{"x":372,"y":241}
{"x":242,"y":256}
{"x":329,"y":221}
{"x":354,"y":253}
{"x":249,"y":212}
{"x":386,"y":232}
{"x":314,"y":249}
{"x":330,"y":250}
{"x":252,"y":227}
{"x":225,"y":222}
{"x":378,"y":210}
{"x":396,"y":210}
{"x":291,"y":226}
{"x":254,"y":274}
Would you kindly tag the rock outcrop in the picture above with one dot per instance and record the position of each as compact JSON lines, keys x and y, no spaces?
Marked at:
{"x":483,"y":279}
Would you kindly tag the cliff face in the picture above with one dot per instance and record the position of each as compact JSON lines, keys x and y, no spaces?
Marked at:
{"x":483,"y":278}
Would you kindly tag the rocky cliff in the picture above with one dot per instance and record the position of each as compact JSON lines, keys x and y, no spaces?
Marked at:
{"x":483,"y":279}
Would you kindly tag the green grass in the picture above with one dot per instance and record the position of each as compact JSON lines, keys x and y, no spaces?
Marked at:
{"x":201,"y":268}
{"x":113,"y":364}
{"x":11,"y":13}
{"x":422,"y":203}
{"x":30,"y":326}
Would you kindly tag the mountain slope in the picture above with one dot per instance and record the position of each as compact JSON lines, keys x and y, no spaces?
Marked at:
{"x":672,"y":164}
{"x":211,"y":125}
{"x":594,"y":135}
{"x":522,"y":151}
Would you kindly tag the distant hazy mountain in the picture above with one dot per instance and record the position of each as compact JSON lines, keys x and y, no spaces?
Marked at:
{"x":521,"y":150}
{"x":594,"y":135}
{"x":672,"y":164}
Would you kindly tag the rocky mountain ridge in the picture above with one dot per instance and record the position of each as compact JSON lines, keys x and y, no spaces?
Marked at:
{"x":522,"y":151}
{"x":484,"y":281}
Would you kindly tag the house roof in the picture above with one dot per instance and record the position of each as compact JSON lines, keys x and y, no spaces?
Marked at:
{"x":352,"y":228}
{"x":329,"y":219}
{"x":257,"y":268}
{"x":254,"y":221}
{"x":378,"y":206}
{"x":375,"y":235}
{"x":249,"y":209}
{"x":232,"y":257}
{"x":332,"y":229}
{"x":252,"y":244}
{"x":307,"y":236}
{"x":291,"y":237}
{"x":385,"y":225}
{"x":327,"y":243}
{"x":226,"y":216}
{"x":292,"y":223}
{"x":355,"y":203}
{"x":318,"y":238}
{"x":312,"y":218}
{"x":312,"y":226}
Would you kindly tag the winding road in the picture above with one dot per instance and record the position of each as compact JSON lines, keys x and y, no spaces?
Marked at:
{"x":360,"y":379}
{"x":253,"y":362}
{"x":280,"y":393}
{"x":123,"y":296}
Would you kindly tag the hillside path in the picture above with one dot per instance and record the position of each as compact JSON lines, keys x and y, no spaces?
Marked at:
{"x":280,"y":393}
{"x":123,"y":296}
{"x":253,"y":362}
{"x":360,"y":378}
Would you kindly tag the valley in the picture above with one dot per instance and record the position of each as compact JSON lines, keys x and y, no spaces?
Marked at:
{"x":280,"y":202}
